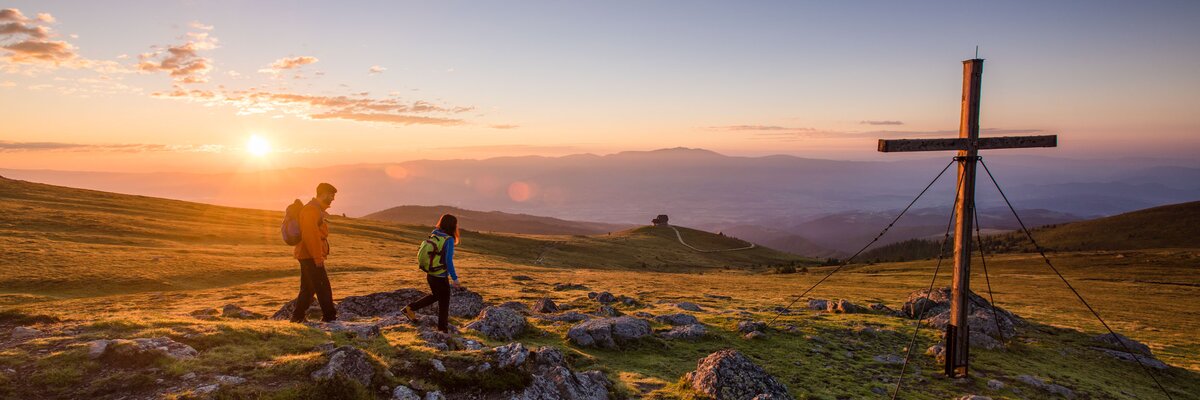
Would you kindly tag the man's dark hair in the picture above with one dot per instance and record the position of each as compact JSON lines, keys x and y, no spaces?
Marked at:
{"x":324,"y":188}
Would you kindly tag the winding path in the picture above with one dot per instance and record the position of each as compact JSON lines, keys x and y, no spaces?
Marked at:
{"x":680,"y":236}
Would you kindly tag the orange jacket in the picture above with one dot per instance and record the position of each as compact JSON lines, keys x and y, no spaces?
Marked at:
{"x":314,"y":233}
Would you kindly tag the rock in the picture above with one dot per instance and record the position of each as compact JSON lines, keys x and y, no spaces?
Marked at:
{"x":437,"y":340}
{"x":995,"y":384}
{"x":628,"y":301}
{"x":139,"y":351}
{"x":890,"y":359}
{"x":881,"y":308}
{"x":729,"y":375}
{"x":359,"y":330}
{"x":878,"y":390}
{"x":717,"y":296}
{"x":188,"y":376}
{"x":325,"y":347}
{"x":1125,"y":356}
{"x":553,"y":379}
{"x":499,"y":323}
{"x":348,"y":362}
{"x":818,"y":304}
{"x":206,"y":314}
{"x":463,"y":304}
{"x":545,"y":305}
{"x":521,"y":278}
{"x":602,"y":297}
{"x":429,"y":322}
{"x":558,"y":287}
{"x":1115,"y":339}
{"x":755,"y":335}
{"x":233,"y":311}
{"x":677,"y":319}
{"x":227,"y":380}
{"x":437,"y":365}
{"x":751,"y":326}
{"x":24,"y":332}
{"x":206,"y":389}
{"x":938,"y":352}
{"x":608,"y":332}
{"x":845,"y":307}
{"x":511,"y":355}
{"x":686,"y":332}
{"x":1048,"y":387}
{"x":689,"y":306}
{"x":980,"y":319}
{"x":608,"y":311}
{"x":569,"y":316}
{"x":435,"y":395}
{"x":402,"y":392}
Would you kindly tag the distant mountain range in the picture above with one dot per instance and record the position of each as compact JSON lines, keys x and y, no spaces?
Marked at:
{"x":494,"y":221}
{"x":810,"y":206}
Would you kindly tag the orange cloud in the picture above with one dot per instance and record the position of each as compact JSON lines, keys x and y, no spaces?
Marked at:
{"x":400,"y":119}
{"x":289,"y":63}
{"x":183,"y":62}
{"x":28,"y":41}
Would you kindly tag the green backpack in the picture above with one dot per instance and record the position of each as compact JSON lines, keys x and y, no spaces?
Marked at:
{"x":431,"y":257}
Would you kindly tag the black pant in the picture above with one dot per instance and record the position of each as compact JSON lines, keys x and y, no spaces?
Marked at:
{"x":313,"y":280}
{"x":440,"y":286}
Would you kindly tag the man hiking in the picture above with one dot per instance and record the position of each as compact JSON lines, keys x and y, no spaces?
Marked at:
{"x":311,"y":252}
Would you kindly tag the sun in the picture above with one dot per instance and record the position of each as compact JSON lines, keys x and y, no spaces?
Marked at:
{"x":258,"y":146}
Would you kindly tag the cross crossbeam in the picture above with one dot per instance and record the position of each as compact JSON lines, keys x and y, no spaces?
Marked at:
{"x":968,"y":143}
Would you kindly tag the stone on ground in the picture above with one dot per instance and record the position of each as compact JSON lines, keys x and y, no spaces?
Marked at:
{"x":347,"y":362}
{"x":608,"y":332}
{"x":730,"y":375}
{"x":499,"y":323}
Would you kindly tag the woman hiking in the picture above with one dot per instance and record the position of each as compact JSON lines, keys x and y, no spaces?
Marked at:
{"x":436,"y":259}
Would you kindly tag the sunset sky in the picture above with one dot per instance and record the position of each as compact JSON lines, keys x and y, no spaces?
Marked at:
{"x":225,"y":85}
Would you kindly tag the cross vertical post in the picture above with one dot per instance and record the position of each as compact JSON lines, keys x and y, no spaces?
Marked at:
{"x":957,"y":332}
{"x":968,"y":143}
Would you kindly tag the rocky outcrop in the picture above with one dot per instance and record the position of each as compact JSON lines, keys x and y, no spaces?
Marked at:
{"x":1115,"y":340}
{"x":602,"y":297}
{"x":608,"y":332}
{"x":236,"y":312}
{"x":818,"y":304}
{"x":686,"y":332}
{"x":845,"y":307}
{"x":677,"y":319}
{"x":748,"y":326}
{"x":545,"y":305}
{"x":463,"y":304}
{"x":980,"y":319}
{"x":688,"y":306}
{"x":730,"y":375}
{"x":141,"y":351}
{"x":552,"y":377}
{"x":499,"y":323}
{"x":347,"y":362}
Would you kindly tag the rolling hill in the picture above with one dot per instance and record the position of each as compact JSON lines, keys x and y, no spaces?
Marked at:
{"x":494,"y":221}
{"x":67,"y":242}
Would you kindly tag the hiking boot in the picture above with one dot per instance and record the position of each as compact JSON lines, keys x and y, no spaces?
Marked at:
{"x":408,"y":313}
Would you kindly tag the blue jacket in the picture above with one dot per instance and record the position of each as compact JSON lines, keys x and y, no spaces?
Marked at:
{"x":449,"y":253}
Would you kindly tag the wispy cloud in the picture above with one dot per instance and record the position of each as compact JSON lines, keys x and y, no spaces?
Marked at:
{"x":182,"y":61}
{"x":504,"y":126}
{"x":14,"y":147}
{"x":358,"y":107}
{"x":287,"y":63}
{"x":883,"y":122}
{"x":375,"y":70}
{"x":788,"y":134}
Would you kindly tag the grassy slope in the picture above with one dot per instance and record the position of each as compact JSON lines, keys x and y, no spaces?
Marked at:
{"x":1138,"y":291}
{"x":494,"y":221}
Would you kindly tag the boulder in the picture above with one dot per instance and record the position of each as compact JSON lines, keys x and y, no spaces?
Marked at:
{"x":359,"y":330}
{"x":730,"y":375}
{"x":689,"y":306}
{"x":545,"y":305}
{"x":755,"y":335}
{"x":608,"y":311}
{"x":235,"y":312}
{"x":402,"y":392}
{"x":499,"y":323}
{"x":686,"y":332}
{"x":463,"y":304}
{"x":553,"y":379}
{"x":628,"y":301}
{"x":1114,"y":340}
{"x":677,"y":319}
{"x":139,"y":351}
{"x":818,"y":304}
{"x":845,"y":307}
{"x":980,"y":319}
{"x":434,"y":395}
{"x":511,"y":355}
{"x":751,"y":326}
{"x":1125,"y":356}
{"x":569,"y":316}
{"x":24,"y":332}
{"x":602,"y":297}
{"x":347,"y":362}
{"x":938,"y":352}
{"x":608,"y":332}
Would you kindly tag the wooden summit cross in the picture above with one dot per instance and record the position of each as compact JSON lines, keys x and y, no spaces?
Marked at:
{"x":968,"y":145}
